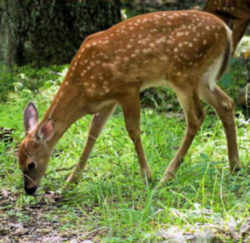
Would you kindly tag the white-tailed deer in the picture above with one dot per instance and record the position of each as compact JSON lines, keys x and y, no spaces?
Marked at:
{"x":186,"y":50}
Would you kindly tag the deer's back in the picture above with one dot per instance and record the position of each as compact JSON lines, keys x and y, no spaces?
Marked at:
{"x":147,"y":50}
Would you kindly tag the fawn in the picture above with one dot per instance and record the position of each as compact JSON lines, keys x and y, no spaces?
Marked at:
{"x":185,"y":50}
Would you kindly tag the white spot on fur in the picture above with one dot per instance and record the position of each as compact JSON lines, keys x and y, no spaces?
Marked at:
{"x":163,"y":58}
{"x":161,"y":40}
{"x":93,"y":86}
{"x":125,"y":59}
{"x":179,"y":34}
{"x":146,"y":51}
{"x":137,"y":51}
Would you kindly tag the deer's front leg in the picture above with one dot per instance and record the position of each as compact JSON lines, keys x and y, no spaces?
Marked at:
{"x":131,"y":109}
{"x":96,"y":127}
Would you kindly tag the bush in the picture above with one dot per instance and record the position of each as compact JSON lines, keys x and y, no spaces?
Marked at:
{"x":236,"y":78}
{"x":7,"y":81}
{"x":28,"y":78}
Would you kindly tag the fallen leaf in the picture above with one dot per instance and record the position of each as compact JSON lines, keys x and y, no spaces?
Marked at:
{"x":5,"y":193}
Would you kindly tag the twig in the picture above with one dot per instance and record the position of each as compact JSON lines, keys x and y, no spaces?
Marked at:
{"x":63,"y":169}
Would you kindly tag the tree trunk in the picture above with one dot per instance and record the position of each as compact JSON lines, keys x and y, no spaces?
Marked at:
{"x":50,"y":32}
{"x":144,"y":6}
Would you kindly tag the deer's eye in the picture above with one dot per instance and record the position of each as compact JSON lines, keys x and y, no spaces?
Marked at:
{"x":32,"y":165}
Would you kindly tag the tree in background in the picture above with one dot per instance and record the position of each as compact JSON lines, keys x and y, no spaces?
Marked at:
{"x":135,"y":7}
{"x":50,"y":32}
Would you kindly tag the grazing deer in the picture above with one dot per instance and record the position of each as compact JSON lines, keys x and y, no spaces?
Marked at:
{"x":186,"y":50}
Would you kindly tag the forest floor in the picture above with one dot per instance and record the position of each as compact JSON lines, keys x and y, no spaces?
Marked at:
{"x":38,"y":223}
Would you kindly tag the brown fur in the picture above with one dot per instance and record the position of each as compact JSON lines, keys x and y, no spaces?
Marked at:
{"x":182,"y":49}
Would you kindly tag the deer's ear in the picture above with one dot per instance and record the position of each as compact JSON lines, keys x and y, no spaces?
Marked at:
{"x":46,"y":131}
{"x":30,"y":117}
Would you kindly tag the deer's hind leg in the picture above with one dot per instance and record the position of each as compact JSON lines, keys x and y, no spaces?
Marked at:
{"x":96,"y":127}
{"x":224,"y":107}
{"x":194,"y":116}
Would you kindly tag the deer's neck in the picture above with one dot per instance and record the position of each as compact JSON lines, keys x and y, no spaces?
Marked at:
{"x":64,"y":110}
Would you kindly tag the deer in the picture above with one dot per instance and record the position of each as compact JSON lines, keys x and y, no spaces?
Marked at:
{"x":186,"y":50}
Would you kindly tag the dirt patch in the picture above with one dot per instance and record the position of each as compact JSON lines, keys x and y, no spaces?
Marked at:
{"x":31,"y":223}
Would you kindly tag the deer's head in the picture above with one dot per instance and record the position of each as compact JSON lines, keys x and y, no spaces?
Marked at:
{"x":34,"y":151}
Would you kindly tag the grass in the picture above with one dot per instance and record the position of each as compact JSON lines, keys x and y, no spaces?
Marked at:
{"x":111,"y":203}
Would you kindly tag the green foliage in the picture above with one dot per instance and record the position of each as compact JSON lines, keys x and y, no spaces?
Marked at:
{"x":27,"y":78}
{"x":161,"y":99}
{"x":6,"y":83}
{"x":237,"y":77}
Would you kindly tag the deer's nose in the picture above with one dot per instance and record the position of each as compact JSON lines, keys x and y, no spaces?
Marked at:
{"x":30,"y":190}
